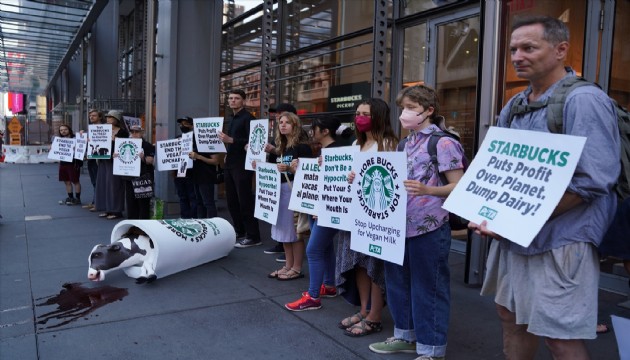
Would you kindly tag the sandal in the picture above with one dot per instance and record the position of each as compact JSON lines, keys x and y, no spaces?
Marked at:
{"x":290,"y":274}
{"x":350,"y":321}
{"x":113,"y":216}
{"x":366,"y":327}
{"x":602,"y":329}
{"x":103,"y":215}
{"x":282,"y":270}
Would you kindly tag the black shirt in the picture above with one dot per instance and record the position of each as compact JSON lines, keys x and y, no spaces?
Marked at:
{"x":296,"y":152}
{"x":239,"y":131}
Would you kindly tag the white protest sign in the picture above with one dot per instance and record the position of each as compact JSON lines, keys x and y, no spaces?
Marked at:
{"x":516,"y":180}
{"x":62,"y":149}
{"x":379,"y":205}
{"x":167,"y":154}
{"x":258,"y":130}
{"x":335,"y":200}
{"x":622,"y":333}
{"x":127,"y":159}
{"x":100,"y":141}
{"x":185,"y":162}
{"x":305,"y":192}
{"x":80,"y":146}
{"x":267,"y":192}
{"x":206,"y":134}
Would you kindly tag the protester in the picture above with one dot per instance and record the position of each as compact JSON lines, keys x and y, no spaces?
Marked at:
{"x":320,"y":249}
{"x":357,"y":273}
{"x":202,"y":175}
{"x":238,"y":181}
{"x":549,"y":289}
{"x":183,"y":185}
{"x":289,"y":150}
{"x":69,"y":172}
{"x":110,"y":190}
{"x":95,"y":118}
{"x":140,"y":208}
{"x":418,"y":291}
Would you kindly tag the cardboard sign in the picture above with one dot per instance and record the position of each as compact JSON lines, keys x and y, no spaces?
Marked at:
{"x":379,"y":205}
{"x":258,"y":130}
{"x":516,"y":180}
{"x":305,"y":191}
{"x":62,"y":149}
{"x":206,"y":134}
{"x":167,"y":154}
{"x":127,"y":159}
{"x":100,"y":141}
{"x":267,"y":192}
{"x":335,"y":200}
{"x":80,"y":147}
{"x":185,"y":162}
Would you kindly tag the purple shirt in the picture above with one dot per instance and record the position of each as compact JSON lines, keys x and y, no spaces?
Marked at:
{"x":424,"y":212}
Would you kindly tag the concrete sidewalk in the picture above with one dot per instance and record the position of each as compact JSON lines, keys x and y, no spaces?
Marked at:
{"x":227,"y":309}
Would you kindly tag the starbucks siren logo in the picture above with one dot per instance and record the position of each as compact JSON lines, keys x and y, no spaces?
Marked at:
{"x":378,"y":195}
{"x":187,"y":229}
{"x":258,"y":139}
{"x":128,"y":152}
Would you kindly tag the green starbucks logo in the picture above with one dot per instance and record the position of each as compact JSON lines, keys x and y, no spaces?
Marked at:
{"x":378,"y":194}
{"x":258,"y":140}
{"x":128,"y":152}
{"x":187,"y":229}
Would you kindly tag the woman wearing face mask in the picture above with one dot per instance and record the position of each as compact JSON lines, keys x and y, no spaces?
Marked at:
{"x":358,"y":273}
{"x":418,"y":291}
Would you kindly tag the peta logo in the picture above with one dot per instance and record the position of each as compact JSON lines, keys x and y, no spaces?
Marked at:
{"x":375,"y":249}
{"x":487,"y":212}
{"x":258,"y":140}
{"x":377,"y":193}
{"x":335,"y":220}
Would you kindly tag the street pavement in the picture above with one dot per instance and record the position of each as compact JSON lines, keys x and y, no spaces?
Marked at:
{"x":226,"y":309}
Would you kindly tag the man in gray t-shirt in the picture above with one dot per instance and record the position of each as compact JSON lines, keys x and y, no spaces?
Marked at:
{"x":549,"y":289}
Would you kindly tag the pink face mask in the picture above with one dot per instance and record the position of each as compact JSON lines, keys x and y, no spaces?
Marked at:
{"x":364,"y":123}
{"x":411,"y":120}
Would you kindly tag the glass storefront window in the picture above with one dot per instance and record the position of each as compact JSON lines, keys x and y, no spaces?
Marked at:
{"x":571,"y":12}
{"x":415,"y":55}
{"x":411,"y":7}
{"x":619,"y":74}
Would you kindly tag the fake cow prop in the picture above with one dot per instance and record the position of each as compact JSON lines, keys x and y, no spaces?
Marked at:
{"x":148,"y":249}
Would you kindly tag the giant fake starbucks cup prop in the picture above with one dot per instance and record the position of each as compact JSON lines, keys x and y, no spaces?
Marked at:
{"x":148,"y":249}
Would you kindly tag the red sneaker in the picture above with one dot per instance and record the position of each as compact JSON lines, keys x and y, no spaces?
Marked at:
{"x":306,"y":302}
{"x":328,"y":292}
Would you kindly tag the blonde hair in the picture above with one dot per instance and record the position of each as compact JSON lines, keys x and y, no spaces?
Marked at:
{"x":283,"y":141}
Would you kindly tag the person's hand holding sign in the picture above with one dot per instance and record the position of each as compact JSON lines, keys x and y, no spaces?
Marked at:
{"x":283,"y":167}
{"x":482,"y":229}
{"x":415,"y":187}
{"x":225,"y":138}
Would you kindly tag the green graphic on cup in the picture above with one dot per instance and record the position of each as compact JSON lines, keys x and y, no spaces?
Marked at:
{"x":187,"y":227}
{"x":378,"y":188}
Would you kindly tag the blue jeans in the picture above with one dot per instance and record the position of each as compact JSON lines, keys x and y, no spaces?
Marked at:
{"x":418,"y":292}
{"x":320,"y":252}
{"x":206,"y":208}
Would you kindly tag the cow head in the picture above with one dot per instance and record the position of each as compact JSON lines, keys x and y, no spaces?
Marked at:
{"x":118,"y":255}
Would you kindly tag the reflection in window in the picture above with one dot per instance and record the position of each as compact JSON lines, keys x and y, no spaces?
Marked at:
{"x":619,"y":74}
{"x":415,"y":6}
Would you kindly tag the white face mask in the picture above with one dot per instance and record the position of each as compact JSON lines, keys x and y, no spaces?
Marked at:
{"x":412,"y":120}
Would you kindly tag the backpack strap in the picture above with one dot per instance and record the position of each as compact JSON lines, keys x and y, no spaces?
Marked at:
{"x":432,"y":150}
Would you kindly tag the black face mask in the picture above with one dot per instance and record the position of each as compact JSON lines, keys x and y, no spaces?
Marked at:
{"x":184,"y":129}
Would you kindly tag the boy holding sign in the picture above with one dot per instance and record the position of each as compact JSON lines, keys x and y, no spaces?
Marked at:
{"x":418,"y":291}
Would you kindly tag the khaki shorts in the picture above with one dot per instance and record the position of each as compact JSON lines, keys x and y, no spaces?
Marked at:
{"x":553,"y":293}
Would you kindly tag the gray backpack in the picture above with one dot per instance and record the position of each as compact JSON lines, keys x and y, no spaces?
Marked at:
{"x":555,"y":123}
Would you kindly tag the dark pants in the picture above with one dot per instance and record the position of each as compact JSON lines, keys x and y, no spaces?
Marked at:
{"x":240,"y":200}
{"x":206,"y":208}
{"x":136,"y":208}
{"x":92,"y":167}
{"x":187,"y":201}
